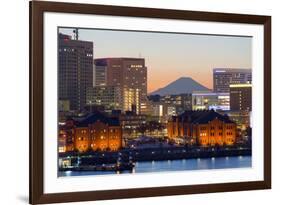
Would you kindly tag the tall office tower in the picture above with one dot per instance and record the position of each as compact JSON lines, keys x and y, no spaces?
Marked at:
{"x":110,"y":97}
{"x":75,"y":70}
{"x":223,"y":77}
{"x":130,"y":74}
{"x":100,"y":74}
{"x":131,"y":100}
{"x":241,"y":97}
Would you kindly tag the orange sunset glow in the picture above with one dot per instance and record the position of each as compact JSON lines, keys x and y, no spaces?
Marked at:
{"x":171,"y":56}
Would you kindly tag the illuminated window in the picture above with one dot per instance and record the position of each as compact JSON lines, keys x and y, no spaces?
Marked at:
{"x":62,"y":149}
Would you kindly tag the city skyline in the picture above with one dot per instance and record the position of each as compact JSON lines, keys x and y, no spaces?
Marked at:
{"x":108,"y":123}
{"x":182,"y":56}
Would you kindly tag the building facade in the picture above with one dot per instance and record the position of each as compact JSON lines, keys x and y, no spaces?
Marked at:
{"x":204,"y":128}
{"x":99,"y":73}
{"x":97,"y":132}
{"x":161,"y":112}
{"x":181,"y":102}
{"x":241,"y":97}
{"x":210,"y":100}
{"x":65,"y":141}
{"x":63,"y":106}
{"x":130,"y":74}
{"x":131,"y":122}
{"x":66,"y":137}
{"x":223,"y":77}
{"x":110,"y":97}
{"x":242,"y":119}
{"x":75,"y":70}
{"x":131,"y":100}
{"x":163,"y":107}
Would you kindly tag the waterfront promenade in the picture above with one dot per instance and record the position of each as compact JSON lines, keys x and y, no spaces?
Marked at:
{"x":152,"y":154}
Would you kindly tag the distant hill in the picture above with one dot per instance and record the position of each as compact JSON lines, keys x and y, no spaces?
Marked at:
{"x":180,"y":86}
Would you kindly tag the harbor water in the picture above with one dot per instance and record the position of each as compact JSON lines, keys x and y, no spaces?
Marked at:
{"x":175,"y":165}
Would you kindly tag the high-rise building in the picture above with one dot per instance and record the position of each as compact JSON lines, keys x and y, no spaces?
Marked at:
{"x":100,"y":74}
{"x":131,"y":100}
{"x":126,"y":73}
{"x":181,"y":102}
{"x":241,"y":97}
{"x":223,"y":77}
{"x":210,"y":100}
{"x":75,"y":70}
{"x":108,"y":96}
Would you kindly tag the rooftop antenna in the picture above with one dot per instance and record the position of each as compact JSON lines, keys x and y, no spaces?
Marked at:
{"x":76,"y":34}
{"x":139,"y":55}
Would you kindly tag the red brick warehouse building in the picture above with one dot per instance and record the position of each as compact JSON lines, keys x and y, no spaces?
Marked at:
{"x":205,"y":128}
{"x":96,"y":132}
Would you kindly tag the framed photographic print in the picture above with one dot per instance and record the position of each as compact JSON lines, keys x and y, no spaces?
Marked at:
{"x":138,"y":102}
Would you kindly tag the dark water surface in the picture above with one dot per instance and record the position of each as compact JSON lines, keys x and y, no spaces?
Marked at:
{"x":176,"y":165}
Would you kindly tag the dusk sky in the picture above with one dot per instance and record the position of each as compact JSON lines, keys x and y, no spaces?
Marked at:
{"x":171,"y":56}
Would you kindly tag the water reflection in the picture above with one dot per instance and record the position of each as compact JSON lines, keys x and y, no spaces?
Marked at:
{"x":177,"y":165}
